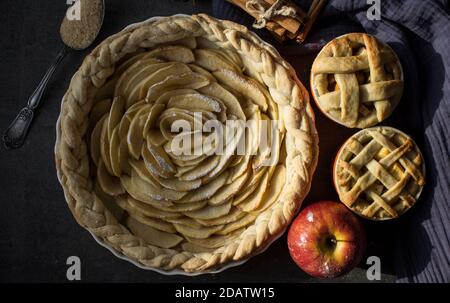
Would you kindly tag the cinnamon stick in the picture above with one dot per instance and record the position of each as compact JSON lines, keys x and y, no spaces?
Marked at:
{"x":290,"y":24}
{"x":272,"y":26}
{"x":284,"y":27}
{"x":313,"y":13}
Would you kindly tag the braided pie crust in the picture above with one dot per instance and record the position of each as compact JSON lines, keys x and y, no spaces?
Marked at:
{"x":193,"y":214}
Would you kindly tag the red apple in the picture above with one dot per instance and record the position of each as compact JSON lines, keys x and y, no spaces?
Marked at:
{"x":326,"y":240}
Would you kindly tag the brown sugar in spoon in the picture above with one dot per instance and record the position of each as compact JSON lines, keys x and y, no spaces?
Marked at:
{"x":79,"y":29}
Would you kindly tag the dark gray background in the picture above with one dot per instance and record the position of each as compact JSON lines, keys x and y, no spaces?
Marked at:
{"x":37,"y":230}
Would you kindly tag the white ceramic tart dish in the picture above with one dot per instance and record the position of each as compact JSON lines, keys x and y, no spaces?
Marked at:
{"x":184,"y":213}
{"x":379,"y":173}
{"x":357,"y":80}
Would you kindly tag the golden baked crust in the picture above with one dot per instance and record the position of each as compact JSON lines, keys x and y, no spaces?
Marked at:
{"x":90,"y":137}
{"x":357,"y":80}
{"x":379,"y":173}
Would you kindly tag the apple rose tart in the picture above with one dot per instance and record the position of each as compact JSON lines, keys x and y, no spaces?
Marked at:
{"x":185,"y":143}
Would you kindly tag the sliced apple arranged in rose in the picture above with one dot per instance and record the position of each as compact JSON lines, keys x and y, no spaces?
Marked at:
{"x":195,"y":200}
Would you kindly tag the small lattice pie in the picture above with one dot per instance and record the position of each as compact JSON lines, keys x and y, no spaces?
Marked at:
{"x":357,"y":80}
{"x":164,"y":208}
{"x":379,"y":173}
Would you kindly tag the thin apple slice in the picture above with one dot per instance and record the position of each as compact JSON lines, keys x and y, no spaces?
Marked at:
{"x":248,"y":87}
{"x":174,"y":68}
{"x":194,"y":102}
{"x":232,"y":104}
{"x":241,"y":223}
{"x":185,"y":221}
{"x":202,"y":169}
{"x":155,"y":137}
{"x":214,"y":241}
{"x":203,"y":42}
{"x":228,"y":191}
{"x":173,"y":53}
{"x":251,"y":68}
{"x":108,"y":200}
{"x":253,"y":201}
{"x":210,"y":212}
{"x":247,"y":191}
{"x":128,"y":61}
{"x":179,"y":185}
{"x":152,"y":118}
{"x":182,"y":121}
{"x":233,"y":57}
{"x":188,"y":80}
{"x":114,"y":148}
{"x":202,"y":233}
{"x":257,"y":176}
{"x":200,"y":70}
{"x":153,"y":236}
{"x":268,"y":146}
{"x":271,"y":155}
{"x":165,"y":97}
{"x":181,"y":169}
{"x":123,"y":157}
{"x":158,"y":224}
{"x":99,"y":110}
{"x":136,"y":71}
{"x":157,"y":193}
{"x":135,"y":137}
{"x":274,"y":189}
{"x":148,"y":74}
{"x":161,"y":158}
{"x":229,"y":150}
{"x":95,"y":140}
{"x":110,"y":184}
{"x":234,"y":215}
{"x":107,"y":90}
{"x":141,"y":208}
{"x":138,"y":195}
{"x":115,"y":114}
{"x":249,"y":108}
{"x":236,"y":160}
{"x":153,"y":166}
{"x":104,"y":147}
{"x":240,"y":169}
{"x":141,"y":169}
{"x":212,"y":61}
{"x":205,"y":192}
{"x":254,"y":133}
{"x":185,"y":160}
{"x":185,"y":207}
{"x":130,"y":113}
{"x":188,"y":161}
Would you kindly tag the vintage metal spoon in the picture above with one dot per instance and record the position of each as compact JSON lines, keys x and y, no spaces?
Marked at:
{"x":15,"y":134}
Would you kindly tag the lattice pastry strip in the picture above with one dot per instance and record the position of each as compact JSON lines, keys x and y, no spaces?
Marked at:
{"x":357,"y":80}
{"x":379,"y":173}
